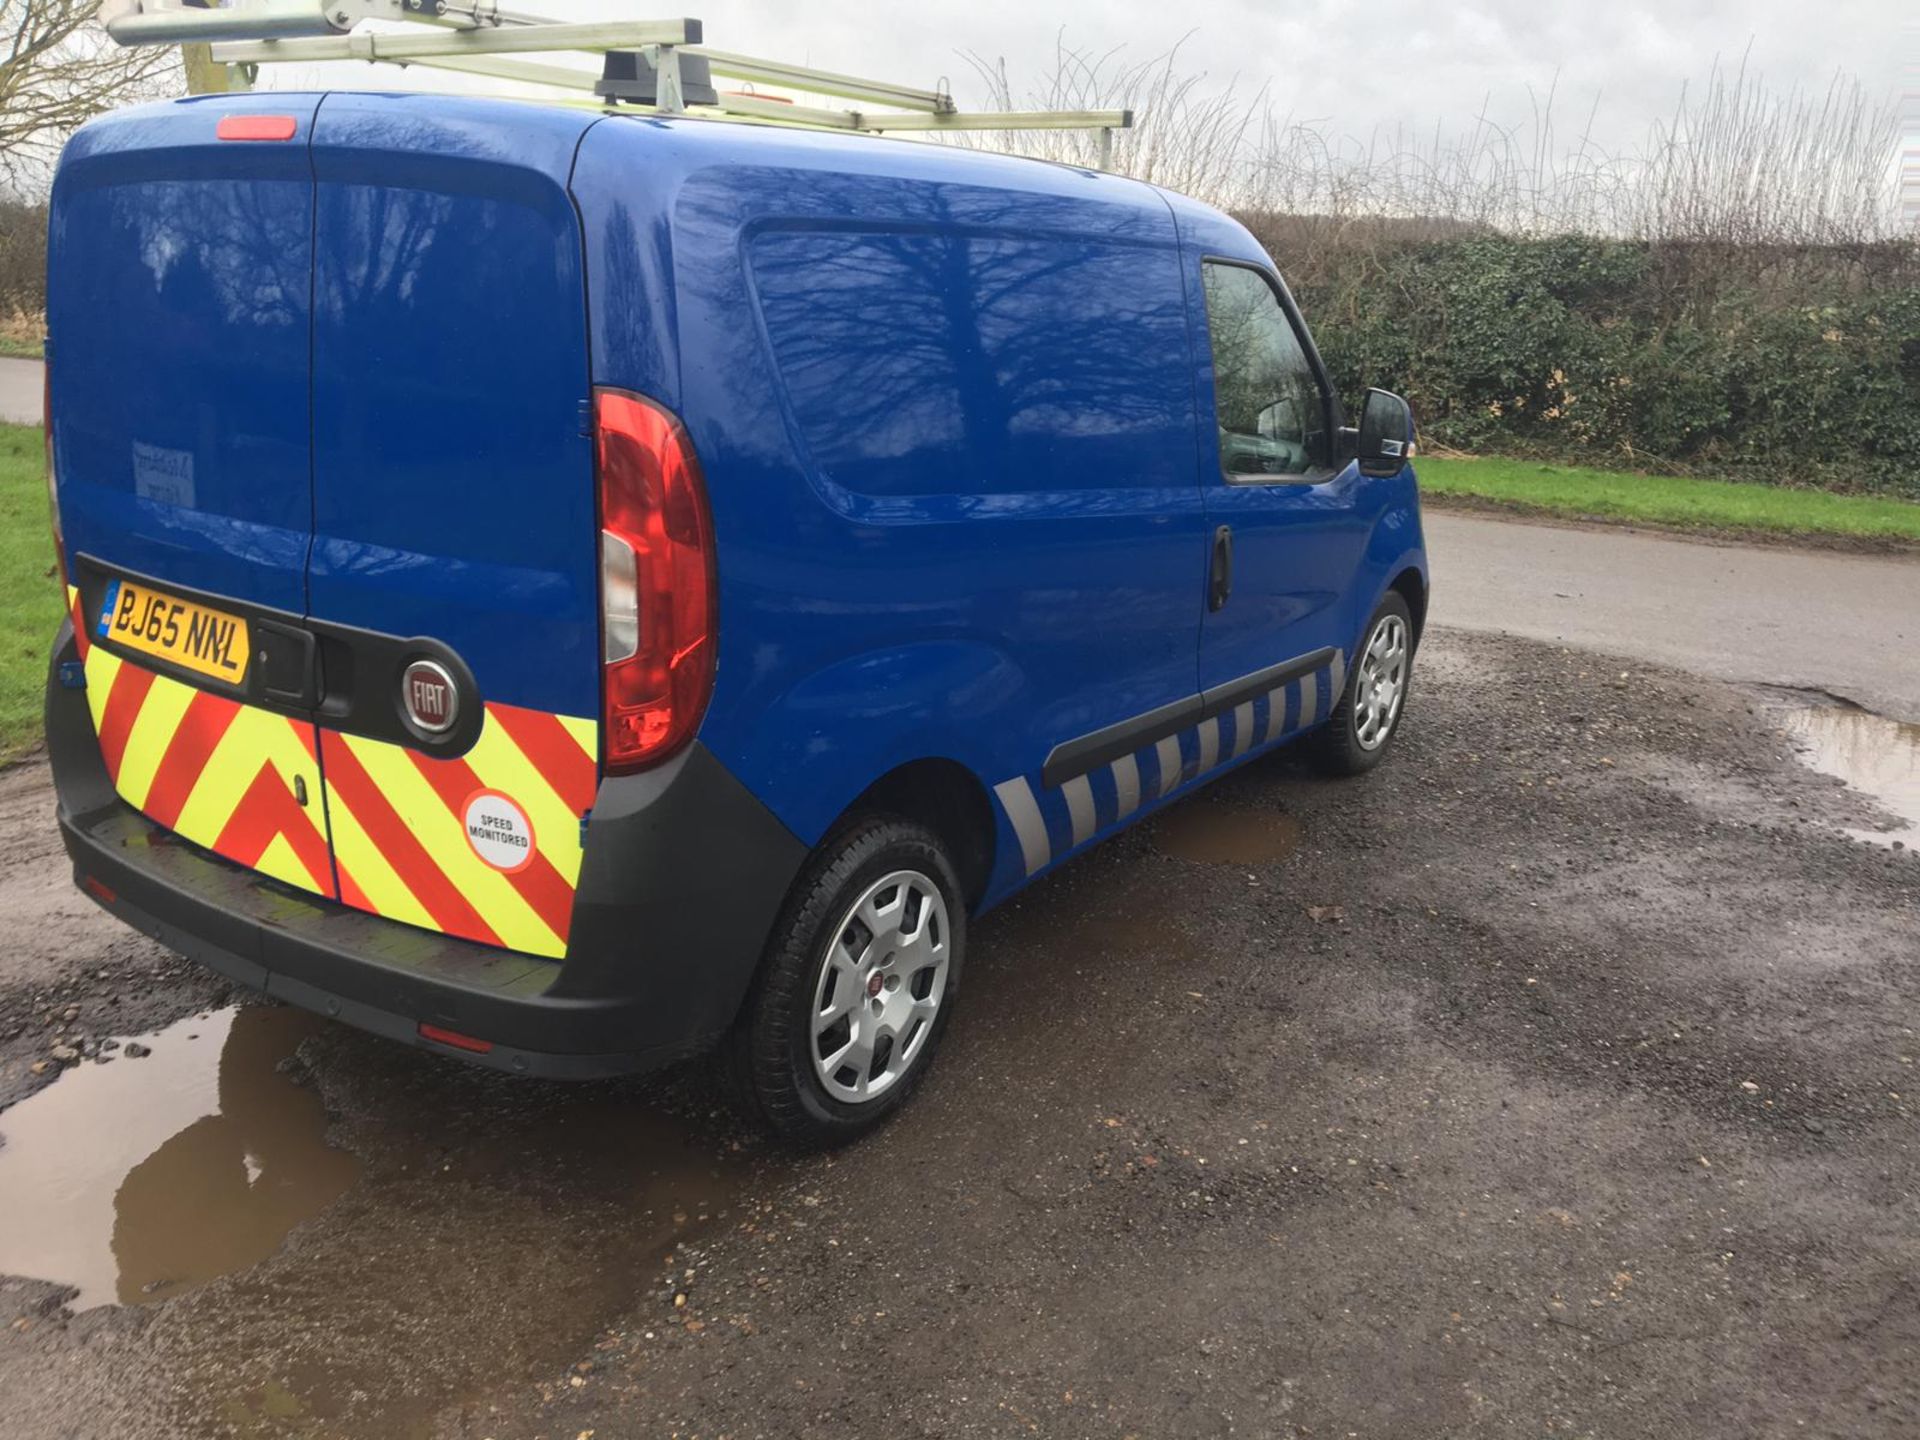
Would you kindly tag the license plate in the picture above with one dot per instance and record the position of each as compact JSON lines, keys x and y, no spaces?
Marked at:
{"x":196,"y":637}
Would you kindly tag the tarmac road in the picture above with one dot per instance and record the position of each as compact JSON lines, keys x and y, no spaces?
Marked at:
{"x":1818,"y":619}
{"x":1556,"y":1078}
{"x":21,"y":392}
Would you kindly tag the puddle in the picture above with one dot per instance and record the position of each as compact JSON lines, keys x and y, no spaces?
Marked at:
{"x":139,"y":1179}
{"x":1212,"y":834}
{"x":502,"y":1225}
{"x":1874,"y":755}
{"x":473,"y":1231}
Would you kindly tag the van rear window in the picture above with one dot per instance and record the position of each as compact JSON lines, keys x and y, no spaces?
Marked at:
{"x":919,"y":364}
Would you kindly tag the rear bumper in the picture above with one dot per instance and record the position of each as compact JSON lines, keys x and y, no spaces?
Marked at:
{"x":683,"y":876}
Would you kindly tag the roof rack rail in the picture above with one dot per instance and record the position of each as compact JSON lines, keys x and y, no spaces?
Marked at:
{"x":662,"y":66}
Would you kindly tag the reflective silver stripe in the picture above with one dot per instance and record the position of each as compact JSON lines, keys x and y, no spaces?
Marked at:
{"x":1209,"y":744}
{"x":1276,"y":715}
{"x":1168,"y":749}
{"x":1079,"y":793}
{"x":1309,"y":699}
{"x":1023,"y":813}
{"x":1242,"y":727}
{"x":1337,"y":677}
{"x":1126,"y":783}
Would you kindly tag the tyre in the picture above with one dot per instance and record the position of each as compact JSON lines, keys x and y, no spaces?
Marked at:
{"x":853,"y":995}
{"x":1362,"y":726}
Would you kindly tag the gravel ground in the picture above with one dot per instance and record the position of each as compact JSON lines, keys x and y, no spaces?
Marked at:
{"x":70,"y":973}
{"x":1557,"y":1082}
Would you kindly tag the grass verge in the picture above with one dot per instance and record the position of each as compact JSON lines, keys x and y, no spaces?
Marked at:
{"x":30,"y":596}
{"x":20,"y":335}
{"x":1721,"y":505}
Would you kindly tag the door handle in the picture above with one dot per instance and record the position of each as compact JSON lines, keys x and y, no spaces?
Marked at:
{"x":1220,"y":578}
{"x":288,"y":674}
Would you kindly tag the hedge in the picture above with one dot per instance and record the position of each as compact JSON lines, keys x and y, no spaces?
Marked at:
{"x":1796,"y":366}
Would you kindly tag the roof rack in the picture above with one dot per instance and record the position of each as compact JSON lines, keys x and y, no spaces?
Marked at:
{"x":659,"y":65}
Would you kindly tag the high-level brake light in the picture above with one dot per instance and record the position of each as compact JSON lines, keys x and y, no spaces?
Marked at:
{"x":256,"y":127}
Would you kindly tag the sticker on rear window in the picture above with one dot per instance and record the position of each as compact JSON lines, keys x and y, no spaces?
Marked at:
{"x":499,"y":831}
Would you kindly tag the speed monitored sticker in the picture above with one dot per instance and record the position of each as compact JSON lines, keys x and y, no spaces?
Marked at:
{"x":499,"y":831}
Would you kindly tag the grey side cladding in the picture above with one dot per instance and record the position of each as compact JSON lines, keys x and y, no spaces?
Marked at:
{"x":1029,"y":825}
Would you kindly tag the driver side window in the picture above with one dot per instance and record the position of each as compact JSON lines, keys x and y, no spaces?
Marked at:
{"x":1267,"y":400}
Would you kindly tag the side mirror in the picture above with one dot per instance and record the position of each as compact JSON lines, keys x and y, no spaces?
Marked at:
{"x":1386,"y":434}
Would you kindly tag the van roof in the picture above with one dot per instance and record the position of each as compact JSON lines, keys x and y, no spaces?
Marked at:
{"x":702,"y":141}
{"x":720,"y":140}
{"x":693,"y":143}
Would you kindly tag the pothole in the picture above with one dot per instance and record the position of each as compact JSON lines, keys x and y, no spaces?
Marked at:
{"x":135,"y":1179}
{"x":1874,"y":755}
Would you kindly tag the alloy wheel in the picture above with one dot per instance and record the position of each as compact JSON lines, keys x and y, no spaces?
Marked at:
{"x":880,"y":986}
{"x":1382,"y":683}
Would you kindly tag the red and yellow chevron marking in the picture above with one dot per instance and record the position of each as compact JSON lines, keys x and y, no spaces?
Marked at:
{"x":222,"y":774}
{"x":399,"y":828}
{"x":212,"y":770}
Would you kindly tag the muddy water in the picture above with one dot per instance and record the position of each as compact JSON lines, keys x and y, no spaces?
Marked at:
{"x":347,"y":1237}
{"x":500,"y":1225}
{"x":1876,"y":756}
{"x":137,"y":1179}
{"x":1205,"y":831}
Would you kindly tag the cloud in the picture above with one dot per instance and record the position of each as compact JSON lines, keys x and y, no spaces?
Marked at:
{"x":1409,"y":63}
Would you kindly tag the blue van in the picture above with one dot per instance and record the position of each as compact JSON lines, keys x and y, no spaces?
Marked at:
{"x":575,"y":590}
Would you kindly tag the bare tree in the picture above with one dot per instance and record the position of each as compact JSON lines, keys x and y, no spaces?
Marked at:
{"x":1185,"y":135}
{"x":1737,"y":163}
{"x":58,"y":69}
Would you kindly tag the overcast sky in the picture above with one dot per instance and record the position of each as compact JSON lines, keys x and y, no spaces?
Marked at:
{"x":1411,"y":61}
{"x":1352,"y":66}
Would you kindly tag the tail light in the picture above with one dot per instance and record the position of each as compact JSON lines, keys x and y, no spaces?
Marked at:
{"x":53,"y":491}
{"x":656,"y":582}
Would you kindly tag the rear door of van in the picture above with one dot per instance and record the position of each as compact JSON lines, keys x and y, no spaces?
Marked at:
{"x":455,"y":540}
{"x":320,"y":392}
{"x":179,"y":301}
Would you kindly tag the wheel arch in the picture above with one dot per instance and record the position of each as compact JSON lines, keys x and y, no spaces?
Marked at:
{"x":1412,"y":587}
{"x":947,"y":798}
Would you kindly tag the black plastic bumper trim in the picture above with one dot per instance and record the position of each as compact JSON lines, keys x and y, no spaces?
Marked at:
{"x":1222,"y":698}
{"x":1100,"y":747}
{"x":1076,"y":757}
